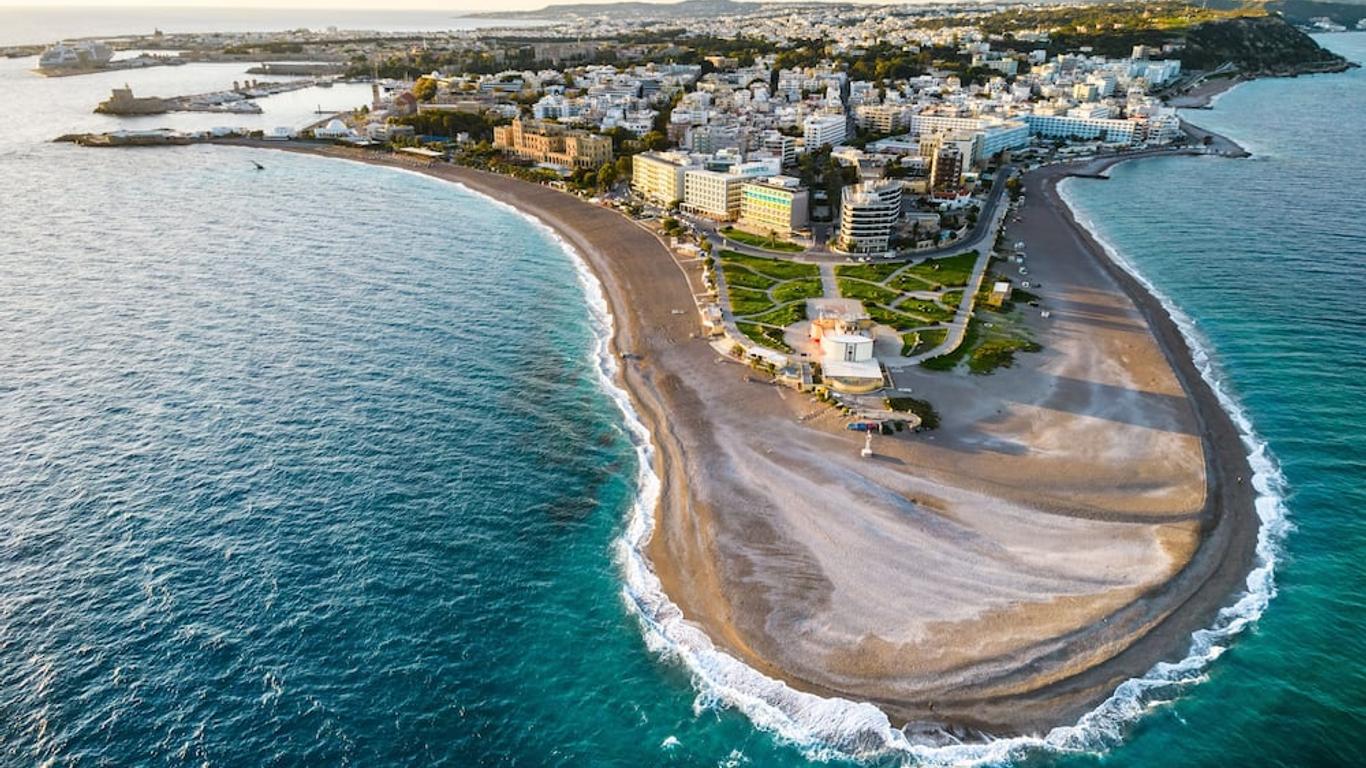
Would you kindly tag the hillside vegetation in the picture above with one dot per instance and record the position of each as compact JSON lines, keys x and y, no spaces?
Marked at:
{"x":1247,"y":36}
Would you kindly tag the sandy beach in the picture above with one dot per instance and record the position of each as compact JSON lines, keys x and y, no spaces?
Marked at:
{"x":1074,"y":519}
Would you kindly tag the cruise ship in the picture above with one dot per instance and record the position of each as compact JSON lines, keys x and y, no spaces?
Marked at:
{"x":80,"y":55}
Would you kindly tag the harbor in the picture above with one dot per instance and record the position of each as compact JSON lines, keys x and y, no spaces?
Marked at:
{"x":239,"y":99}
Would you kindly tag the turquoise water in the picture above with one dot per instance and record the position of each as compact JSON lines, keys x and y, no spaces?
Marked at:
{"x":315,"y":465}
{"x":1268,"y":257}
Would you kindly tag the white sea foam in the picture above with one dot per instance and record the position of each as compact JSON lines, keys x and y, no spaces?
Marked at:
{"x":832,"y":728}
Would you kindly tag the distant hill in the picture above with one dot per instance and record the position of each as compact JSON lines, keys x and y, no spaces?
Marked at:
{"x":1266,"y":45}
{"x":686,"y":9}
{"x":1301,"y":11}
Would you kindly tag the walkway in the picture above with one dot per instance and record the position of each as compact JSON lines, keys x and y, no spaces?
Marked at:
{"x":958,"y":327}
{"x":829,"y":285}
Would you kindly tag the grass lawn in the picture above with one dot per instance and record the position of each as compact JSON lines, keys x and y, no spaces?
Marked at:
{"x":760,"y":241}
{"x":777,"y":269}
{"x":952,"y":272}
{"x":985,"y":349}
{"x":908,"y":281}
{"x":950,"y":360}
{"x":806,"y":288}
{"x":768,"y":337}
{"x":739,"y":276}
{"x":891,"y":317}
{"x":915,"y":342}
{"x":784,"y":316}
{"x":1000,"y":352}
{"x":868,"y":292}
{"x":746,"y":302}
{"x":926,"y":309}
{"x":874,"y":273}
{"x":952,"y":298}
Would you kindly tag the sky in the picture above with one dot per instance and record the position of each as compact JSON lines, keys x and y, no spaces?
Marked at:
{"x":351,"y":5}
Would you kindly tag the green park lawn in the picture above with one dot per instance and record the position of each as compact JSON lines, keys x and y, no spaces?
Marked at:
{"x":760,"y":241}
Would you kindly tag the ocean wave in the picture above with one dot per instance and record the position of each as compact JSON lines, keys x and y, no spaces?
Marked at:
{"x":833,"y":728}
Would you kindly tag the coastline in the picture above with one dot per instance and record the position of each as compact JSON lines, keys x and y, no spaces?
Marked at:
{"x":626,"y":260}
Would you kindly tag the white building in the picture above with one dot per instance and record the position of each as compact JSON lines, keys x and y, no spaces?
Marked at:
{"x":716,"y":194}
{"x":335,"y":129}
{"x":824,"y":130}
{"x":1067,"y":127}
{"x":869,"y":212}
{"x":844,"y":334}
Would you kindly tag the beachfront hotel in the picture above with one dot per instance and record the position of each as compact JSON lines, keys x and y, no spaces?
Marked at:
{"x":553,"y":144}
{"x":1106,"y":129}
{"x":717,"y":194}
{"x":775,"y":206}
{"x":869,"y":212}
{"x":658,"y":176}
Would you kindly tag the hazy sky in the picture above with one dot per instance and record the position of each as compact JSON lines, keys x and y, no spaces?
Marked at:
{"x":426,"y":5}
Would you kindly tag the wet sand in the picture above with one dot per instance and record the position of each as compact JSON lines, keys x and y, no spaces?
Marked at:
{"x":1072,"y":522}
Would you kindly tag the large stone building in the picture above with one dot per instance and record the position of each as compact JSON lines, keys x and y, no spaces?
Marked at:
{"x":543,"y":142}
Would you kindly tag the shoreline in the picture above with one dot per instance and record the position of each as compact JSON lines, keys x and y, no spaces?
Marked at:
{"x":653,"y":390}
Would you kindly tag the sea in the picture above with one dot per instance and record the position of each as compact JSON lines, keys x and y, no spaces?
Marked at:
{"x":38,"y":23}
{"x":321,"y":464}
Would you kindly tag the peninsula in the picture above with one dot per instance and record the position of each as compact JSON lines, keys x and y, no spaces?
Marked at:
{"x":921,"y":442}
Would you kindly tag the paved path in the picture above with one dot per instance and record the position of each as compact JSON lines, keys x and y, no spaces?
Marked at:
{"x":958,"y":327}
{"x":828,"y":282}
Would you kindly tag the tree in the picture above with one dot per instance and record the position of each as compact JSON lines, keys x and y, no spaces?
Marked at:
{"x":607,"y":176}
{"x":655,"y":141}
{"x":424,"y":89}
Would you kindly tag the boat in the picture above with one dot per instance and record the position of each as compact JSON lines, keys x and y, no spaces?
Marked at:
{"x":78,"y":55}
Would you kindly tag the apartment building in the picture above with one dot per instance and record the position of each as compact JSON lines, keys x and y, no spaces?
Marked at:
{"x":869,"y":212}
{"x":824,"y":130}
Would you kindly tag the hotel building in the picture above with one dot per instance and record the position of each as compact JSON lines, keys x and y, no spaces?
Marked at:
{"x":994,"y":136}
{"x":658,"y":176}
{"x":554,"y":144}
{"x":777,"y":205}
{"x":1066,"y":127}
{"x":716,"y":194}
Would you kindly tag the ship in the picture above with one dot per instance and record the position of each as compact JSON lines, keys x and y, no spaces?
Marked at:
{"x":77,"y":55}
